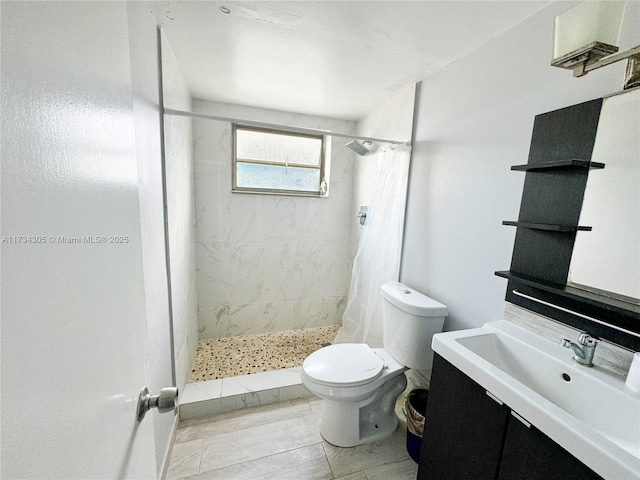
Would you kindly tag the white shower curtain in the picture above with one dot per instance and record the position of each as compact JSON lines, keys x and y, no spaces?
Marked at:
{"x":378,"y":258}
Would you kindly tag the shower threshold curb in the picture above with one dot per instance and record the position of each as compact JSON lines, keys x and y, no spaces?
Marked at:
{"x":202,"y":399}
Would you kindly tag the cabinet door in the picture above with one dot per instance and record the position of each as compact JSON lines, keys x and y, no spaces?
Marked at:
{"x":530,"y":455}
{"x":464,"y":428}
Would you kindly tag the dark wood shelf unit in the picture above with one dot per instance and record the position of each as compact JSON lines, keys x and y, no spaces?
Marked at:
{"x":585,"y":302}
{"x":548,"y":227}
{"x":555,"y":164}
{"x":569,"y":292}
{"x":550,"y":209}
{"x":561,"y":145}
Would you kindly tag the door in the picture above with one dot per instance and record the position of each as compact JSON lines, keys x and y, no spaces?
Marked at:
{"x":530,"y":455}
{"x":74,"y":339}
{"x":143,"y":40}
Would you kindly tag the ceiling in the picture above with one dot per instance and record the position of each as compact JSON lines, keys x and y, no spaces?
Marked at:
{"x":337,"y":59}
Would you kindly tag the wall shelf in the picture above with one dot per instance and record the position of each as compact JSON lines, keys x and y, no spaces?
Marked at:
{"x":548,"y":227}
{"x":537,"y":276}
{"x":530,"y":281}
{"x":557,"y":164}
{"x":573,"y":293}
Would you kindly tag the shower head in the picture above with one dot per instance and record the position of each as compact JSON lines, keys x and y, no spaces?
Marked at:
{"x":362,"y":149}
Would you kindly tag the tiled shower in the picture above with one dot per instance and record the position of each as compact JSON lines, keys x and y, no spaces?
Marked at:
{"x":267,"y":263}
{"x":277,"y":263}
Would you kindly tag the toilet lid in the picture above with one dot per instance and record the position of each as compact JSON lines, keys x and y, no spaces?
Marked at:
{"x":343,"y":364}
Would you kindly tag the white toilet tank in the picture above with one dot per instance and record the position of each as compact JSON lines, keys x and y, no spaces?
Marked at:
{"x":410,"y":319}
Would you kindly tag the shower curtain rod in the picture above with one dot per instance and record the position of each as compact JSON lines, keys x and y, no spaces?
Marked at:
{"x":252,"y":123}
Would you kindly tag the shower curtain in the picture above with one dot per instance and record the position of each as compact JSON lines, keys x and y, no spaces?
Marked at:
{"x":377,"y":260}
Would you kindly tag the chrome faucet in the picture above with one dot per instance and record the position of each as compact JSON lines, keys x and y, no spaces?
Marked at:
{"x":583,"y":350}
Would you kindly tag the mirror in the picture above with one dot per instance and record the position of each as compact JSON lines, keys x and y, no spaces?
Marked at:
{"x":606,"y":260}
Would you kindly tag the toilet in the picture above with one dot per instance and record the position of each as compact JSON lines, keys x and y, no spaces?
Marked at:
{"x":360,"y":384}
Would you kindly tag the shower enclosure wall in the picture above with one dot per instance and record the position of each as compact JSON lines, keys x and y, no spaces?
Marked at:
{"x":268,"y":263}
{"x":179,"y":198}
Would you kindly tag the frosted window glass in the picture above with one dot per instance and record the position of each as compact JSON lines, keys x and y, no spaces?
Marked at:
{"x":271,"y":147}
{"x":253,"y":175}
{"x":268,"y":160}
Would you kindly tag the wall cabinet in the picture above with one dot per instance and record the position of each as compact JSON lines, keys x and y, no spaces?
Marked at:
{"x":470,"y":434}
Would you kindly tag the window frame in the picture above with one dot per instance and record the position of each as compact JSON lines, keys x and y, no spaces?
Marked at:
{"x":277,"y":191}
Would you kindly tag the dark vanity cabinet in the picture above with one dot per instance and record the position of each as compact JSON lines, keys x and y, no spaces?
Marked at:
{"x":464,"y":428}
{"x":529,"y":454}
{"x":470,"y":435}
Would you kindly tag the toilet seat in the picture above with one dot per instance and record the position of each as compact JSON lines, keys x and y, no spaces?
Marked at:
{"x":344,"y":364}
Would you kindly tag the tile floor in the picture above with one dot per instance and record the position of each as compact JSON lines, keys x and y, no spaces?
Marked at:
{"x":282,"y":441}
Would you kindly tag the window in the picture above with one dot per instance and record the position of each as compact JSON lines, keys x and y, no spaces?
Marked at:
{"x":275,"y":161}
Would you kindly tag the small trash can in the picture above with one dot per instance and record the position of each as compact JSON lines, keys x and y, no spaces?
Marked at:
{"x":416,"y":406}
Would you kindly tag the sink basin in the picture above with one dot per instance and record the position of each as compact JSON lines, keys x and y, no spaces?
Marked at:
{"x":588,"y":411}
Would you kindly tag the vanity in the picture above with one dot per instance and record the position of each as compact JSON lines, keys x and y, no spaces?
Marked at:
{"x":506,"y":403}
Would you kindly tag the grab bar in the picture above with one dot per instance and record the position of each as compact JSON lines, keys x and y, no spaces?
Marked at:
{"x":566,"y":310}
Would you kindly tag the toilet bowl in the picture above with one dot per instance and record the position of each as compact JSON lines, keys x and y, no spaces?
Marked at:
{"x":361,"y":384}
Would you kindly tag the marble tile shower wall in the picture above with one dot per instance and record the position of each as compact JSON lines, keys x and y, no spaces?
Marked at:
{"x":267,"y":263}
{"x":178,"y":155}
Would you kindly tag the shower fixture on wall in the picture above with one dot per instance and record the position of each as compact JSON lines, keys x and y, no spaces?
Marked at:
{"x":361,"y":148}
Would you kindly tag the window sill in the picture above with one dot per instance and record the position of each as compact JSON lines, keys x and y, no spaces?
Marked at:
{"x":281,"y":192}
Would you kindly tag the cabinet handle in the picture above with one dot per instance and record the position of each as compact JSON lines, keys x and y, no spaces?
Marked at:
{"x":494,"y":398}
{"x":526,"y":424}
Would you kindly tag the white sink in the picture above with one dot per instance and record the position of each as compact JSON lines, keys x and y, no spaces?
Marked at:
{"x":588,"y":411}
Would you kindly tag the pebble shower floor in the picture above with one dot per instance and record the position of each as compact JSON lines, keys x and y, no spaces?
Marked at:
{"x":246,"y":354}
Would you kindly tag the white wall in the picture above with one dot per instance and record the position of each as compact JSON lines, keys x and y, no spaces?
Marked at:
{"x":146,"y":115}
{"x":475,"y":120}
{"x":267,"y":263}
{"x":180,"y":193}
{"x":74,"y":331}
{"x":392,"y":119}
